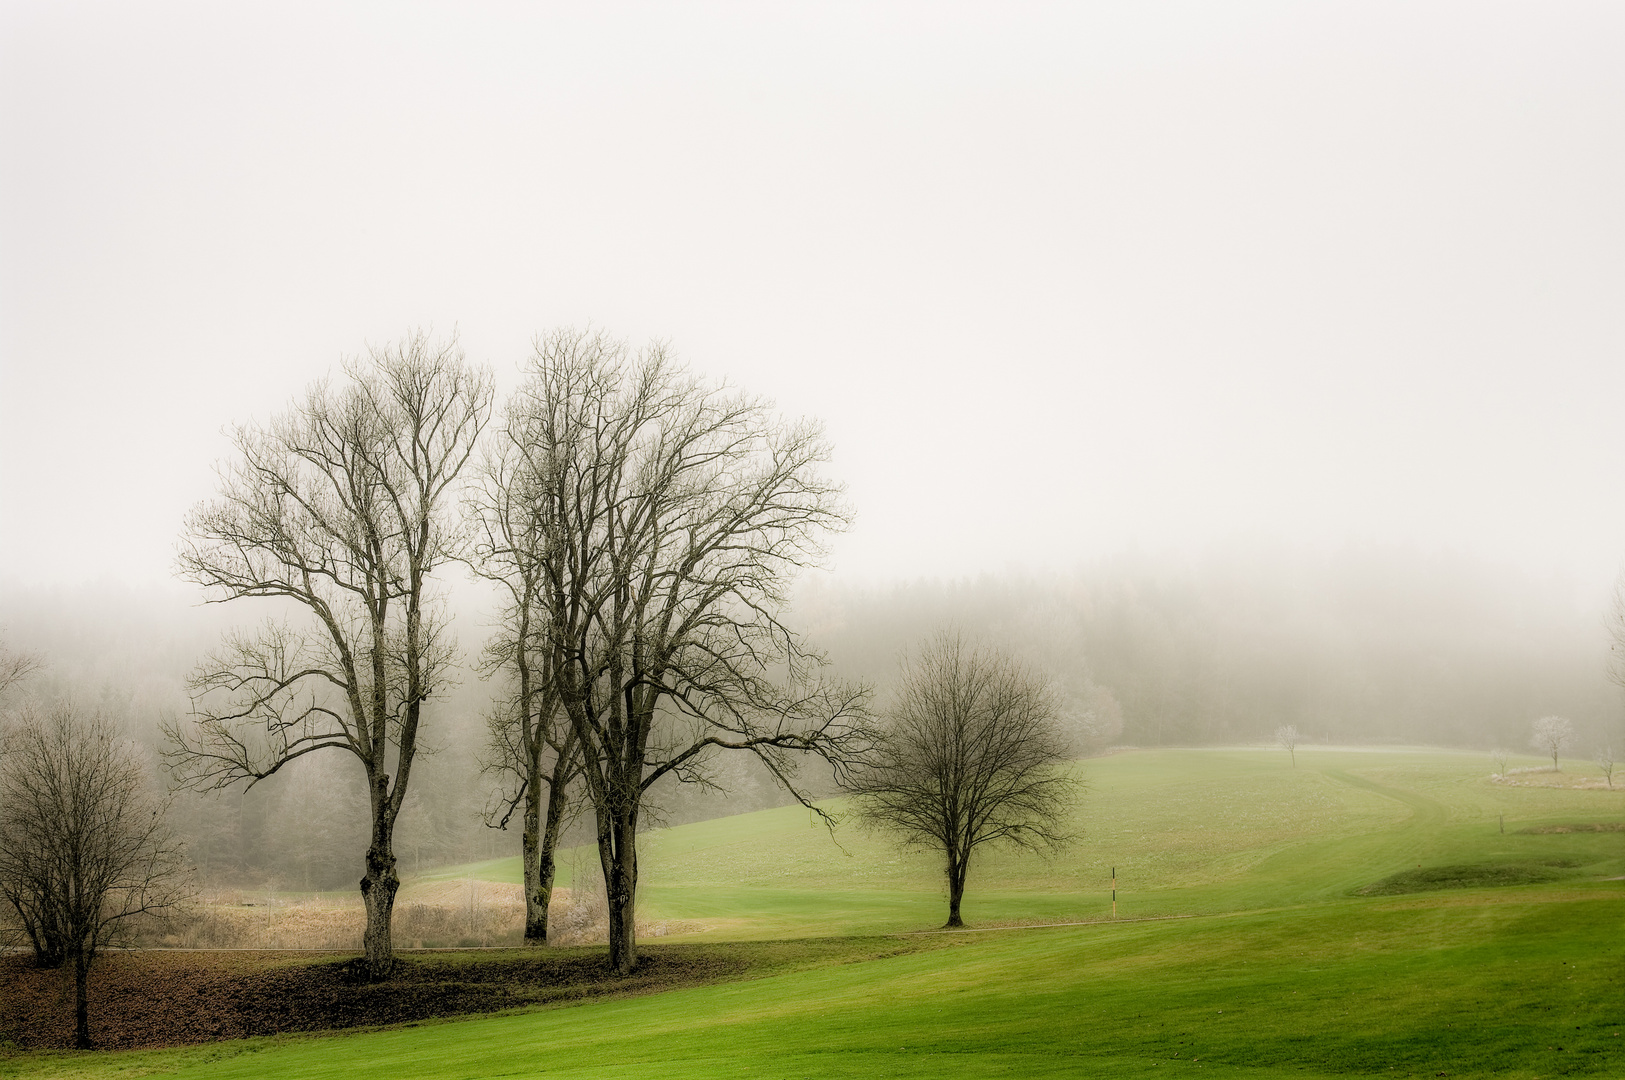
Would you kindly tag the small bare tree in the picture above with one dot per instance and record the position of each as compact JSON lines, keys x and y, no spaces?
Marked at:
{"x":340,"y":509}
{"x":969,"y":756}
{"x":1551,"y":735}
{"x":84,"y":848}
{"x":1287,"y":737}
{"x":1605,"y":762}
{"x":1499,"y":757}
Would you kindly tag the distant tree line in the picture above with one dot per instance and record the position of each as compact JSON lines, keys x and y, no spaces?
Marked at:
{"x":1362,"y":646}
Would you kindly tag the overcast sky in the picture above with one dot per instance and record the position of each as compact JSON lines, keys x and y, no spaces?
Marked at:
{"x":1060,"y":280}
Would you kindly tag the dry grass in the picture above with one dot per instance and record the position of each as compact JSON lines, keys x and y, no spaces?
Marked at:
{"x":458,"y":913}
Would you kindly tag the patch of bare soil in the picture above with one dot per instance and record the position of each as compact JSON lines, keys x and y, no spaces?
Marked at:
{"x":158,"y":998}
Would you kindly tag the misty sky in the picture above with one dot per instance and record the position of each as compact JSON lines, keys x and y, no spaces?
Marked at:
{"x":1059,"y":279}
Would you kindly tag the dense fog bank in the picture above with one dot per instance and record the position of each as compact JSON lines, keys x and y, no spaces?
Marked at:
{"x":1365,"y":646}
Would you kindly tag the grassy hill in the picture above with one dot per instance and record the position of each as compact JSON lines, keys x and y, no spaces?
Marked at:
{"x":1248,"y":945}
{"x":1188,"y":831}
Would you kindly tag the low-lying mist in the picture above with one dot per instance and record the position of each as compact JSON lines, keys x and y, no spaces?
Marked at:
{"x":1366,"y":646}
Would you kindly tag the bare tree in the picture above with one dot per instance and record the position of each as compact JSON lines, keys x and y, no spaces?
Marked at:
{"x":675,"y":515}
{"x":84,"y":847}
{"x":970,"y":756}
{"x":1499,"y":757}
{"x":532,"y":741}
{"x":1551,"y":735}
{"x":1605,"y":762}
{"x":1287,"y":737}
{"x":15,"y":668}
{"x":340,"y":510}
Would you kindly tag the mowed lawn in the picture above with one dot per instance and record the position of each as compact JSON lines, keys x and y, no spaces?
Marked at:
{"x":1188,"y":832}
{"x":1244,"y":946}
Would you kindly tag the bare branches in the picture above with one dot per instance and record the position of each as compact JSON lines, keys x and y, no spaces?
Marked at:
{"x":340,"y":508}
{"x":969,"y":757}
{"x":84,"y":847}
{"x":1551,"y":735}
{"x":15,"y":668}
{"x":671,"y":518}
{"x":1287,"y":737}
{"x":663,"y":519}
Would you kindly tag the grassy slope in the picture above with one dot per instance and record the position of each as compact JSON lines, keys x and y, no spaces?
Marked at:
{"x":1280,"y":972}
{"x":1188,"y":831}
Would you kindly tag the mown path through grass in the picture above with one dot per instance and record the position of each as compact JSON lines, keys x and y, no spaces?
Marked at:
{"x":1426,"y":812}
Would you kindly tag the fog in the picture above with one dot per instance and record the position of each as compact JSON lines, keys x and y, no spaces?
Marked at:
{"x":1237,"y":365}
{"x":1368,"y":646}
{"x":1059,"y":279}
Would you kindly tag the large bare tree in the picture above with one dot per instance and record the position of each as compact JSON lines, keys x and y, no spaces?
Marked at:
{"x":675,"y":514}
{"x":532,"y":742}
{"x":969,"y":756}
{"x":338,"y":513}
{"x":84,"y":846}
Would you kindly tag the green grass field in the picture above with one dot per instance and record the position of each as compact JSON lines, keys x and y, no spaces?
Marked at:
{"x":1244,"y":947}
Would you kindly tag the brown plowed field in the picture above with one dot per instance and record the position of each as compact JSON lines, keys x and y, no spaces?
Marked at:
{"x":169,"y":998}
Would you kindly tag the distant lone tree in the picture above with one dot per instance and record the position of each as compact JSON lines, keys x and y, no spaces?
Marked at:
{"x":969,"y":755}
{"x":84,"y":848}
{"x":1605,"y":762}
{"x":339,"y":512}
{"x":1499,"y":757}
{"x":1551,"y":735}
{"x":1287,"y":736}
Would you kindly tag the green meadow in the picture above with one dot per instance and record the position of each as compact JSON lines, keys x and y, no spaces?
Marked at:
{"x":1360,"y":914}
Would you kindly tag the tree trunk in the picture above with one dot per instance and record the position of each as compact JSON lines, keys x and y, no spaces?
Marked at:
{"x":379,"y":886}
{"x":378,"y":892}
{"x":956,"y":888}
{"x":618,"y":853}
{"x":49,"y":951}
{"x":81,"y":999}
{"x":536,"y":897}
{"x":542,"y":845}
